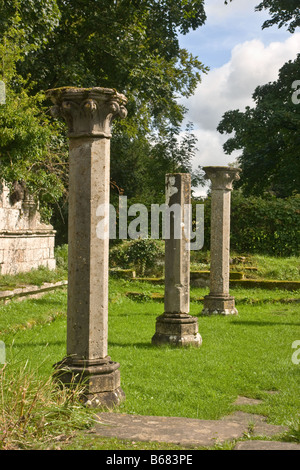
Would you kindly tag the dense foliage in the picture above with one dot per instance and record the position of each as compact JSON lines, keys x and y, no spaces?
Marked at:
{"x":268,"y":225}
{"x":140,"y":254}
{"x":283,"y":13}
{"x":130,"y":45}
{"x":269,"y":137}
{"x":133,"y":46}
{"x":268,"y":133}
{"x":32,"y":149}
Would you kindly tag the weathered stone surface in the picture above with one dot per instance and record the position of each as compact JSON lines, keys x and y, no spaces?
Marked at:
{"x":176,"y":326}
{"x":100,"y":380}
{"x":177,"y":330}
{"x":219,"y":305}
{"x":177,"y":256}
{"x":266,"y":445}
{"x":186,"y":432}
{"x":174,"y":430}
{"x":88,"y":113}
{"x":258,"y":424}
{"x":219,"y":301}
{"x":31,"y":291}
{"x":247,"y":401}
{"x":25,"y":242}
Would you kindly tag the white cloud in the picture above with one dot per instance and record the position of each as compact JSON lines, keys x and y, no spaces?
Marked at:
{"x":231,"y":86}
{"x":226,"y":26}
{"x":217,"y":12}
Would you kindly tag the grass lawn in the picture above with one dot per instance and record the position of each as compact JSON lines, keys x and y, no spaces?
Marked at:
{"x":36,"y":277}
{"x":249,"y":355}
{"x":268,"y":267}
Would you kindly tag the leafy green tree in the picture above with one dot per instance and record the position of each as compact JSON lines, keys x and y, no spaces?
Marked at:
{"x":283,"y":13}
{"x":29,"y":142}
{"x":38,"y":18}
{"x":130,"y":45}
{"x":268,"y":135}
{"x":139,"y":165}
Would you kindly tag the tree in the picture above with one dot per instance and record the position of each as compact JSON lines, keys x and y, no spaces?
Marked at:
{"x":130,"y":45}
{"x":283,"y":13}
{"x":269,"y":133}
{"x":38,"y":18}
{"x":269,"y":137}
{"x":139,"y":165}
{"x":31,"y":151}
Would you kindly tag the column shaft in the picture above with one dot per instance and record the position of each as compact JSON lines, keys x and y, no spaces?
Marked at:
{"x":176,"y":326}
{"x":177,"y":256}
{"x":88,"y":255}
{"x":220,"y":242}
{"x":219,"y":301}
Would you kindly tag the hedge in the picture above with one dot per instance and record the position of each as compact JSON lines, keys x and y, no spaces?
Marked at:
{"x":269,"y":226}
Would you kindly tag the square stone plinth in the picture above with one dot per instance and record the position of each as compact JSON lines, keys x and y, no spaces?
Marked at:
{"x":100,"y":380}
{"x":219,"y":305}
{"x":177,"y":330}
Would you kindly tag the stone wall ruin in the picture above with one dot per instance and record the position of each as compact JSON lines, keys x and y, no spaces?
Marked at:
{"x":25,"y":242}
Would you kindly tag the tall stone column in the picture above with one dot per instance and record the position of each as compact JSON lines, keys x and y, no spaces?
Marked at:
{"x":219,"y":301}
{"x":88,"y":113}
{"x":176,"y":326}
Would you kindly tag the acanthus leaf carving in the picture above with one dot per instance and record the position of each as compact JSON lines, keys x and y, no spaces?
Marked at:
{"x":88,"y":111}
{"x":222,"y":177}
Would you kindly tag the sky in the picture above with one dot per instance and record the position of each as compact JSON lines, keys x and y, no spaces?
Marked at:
{"x":240,"y":56}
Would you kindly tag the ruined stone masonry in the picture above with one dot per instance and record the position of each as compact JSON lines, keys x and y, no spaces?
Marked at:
{"x":25,"y":242}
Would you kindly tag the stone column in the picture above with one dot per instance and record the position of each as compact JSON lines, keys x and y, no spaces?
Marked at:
{"x":88,"y":113}
{"x":219,"y":301}
{"x":176,"y":326}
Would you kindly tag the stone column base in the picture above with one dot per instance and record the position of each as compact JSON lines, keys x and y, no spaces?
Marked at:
{"x":100,"y":380}
{"x":219,"y":305}
{"x":177,"y":329}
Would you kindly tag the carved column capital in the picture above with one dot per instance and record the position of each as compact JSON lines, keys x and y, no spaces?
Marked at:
{"x":88,"y":112}
{"x":222,"y":177}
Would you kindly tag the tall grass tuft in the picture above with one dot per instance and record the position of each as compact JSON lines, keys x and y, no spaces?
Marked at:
{"x":36,"y":412}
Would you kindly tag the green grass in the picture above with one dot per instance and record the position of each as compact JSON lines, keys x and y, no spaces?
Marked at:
{"x":249,"y":354}
{"x":245,"y":355}
{"x":35,"y":277}
{"x":268,"y":267}
{"x":15,"y":315}
{"x":283,"y":269}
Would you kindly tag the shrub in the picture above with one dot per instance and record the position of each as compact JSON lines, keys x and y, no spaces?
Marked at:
{"x":269,"y":226}
{"x":61,"y":256}
{"x":118,"y":256}
{"x":142,"y":254}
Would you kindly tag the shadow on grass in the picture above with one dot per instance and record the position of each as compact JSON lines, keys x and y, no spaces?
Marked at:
{"x":131,"y":314}
{"x":40,"y":343}
{"x":48,"y":302}
{"x":149,"y":346}
{"x":262,"y":323}
{"x":132,"y":345}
